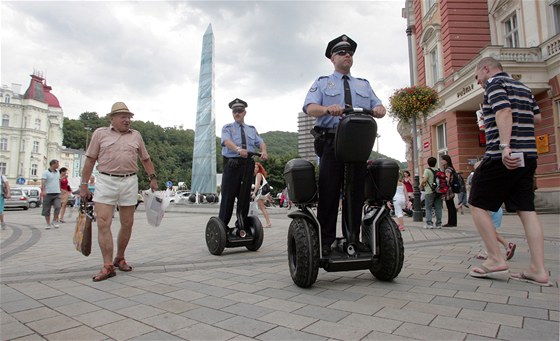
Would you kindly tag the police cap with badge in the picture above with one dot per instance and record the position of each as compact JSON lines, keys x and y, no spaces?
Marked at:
{"x":341,"y":43}
{"x":238,"y":105}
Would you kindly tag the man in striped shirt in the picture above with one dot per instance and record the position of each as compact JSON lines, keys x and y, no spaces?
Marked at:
{"x":506,"y":174}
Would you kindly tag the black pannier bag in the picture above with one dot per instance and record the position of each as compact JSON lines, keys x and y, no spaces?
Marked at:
{"x":381,"y":180}
{"x":299,"y":175}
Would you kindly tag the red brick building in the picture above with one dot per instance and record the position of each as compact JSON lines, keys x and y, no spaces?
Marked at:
{"x":448,"y":38}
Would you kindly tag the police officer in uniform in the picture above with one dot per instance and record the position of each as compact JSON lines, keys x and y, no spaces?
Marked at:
{"x":238,"y":139}
{"x":326,"y":100}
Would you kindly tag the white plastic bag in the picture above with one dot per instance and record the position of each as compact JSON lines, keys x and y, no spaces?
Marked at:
{"x":156,"y":203}
{"x":253,"y":209}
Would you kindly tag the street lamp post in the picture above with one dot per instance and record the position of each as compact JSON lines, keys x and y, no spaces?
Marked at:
{"x":417,"y":214}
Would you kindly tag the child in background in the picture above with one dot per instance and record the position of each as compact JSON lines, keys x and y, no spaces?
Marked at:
{"x":400,"y":201}
{"x":497,"y":221}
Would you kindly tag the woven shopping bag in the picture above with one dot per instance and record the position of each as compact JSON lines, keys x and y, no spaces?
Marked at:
{"x":82,"y":232}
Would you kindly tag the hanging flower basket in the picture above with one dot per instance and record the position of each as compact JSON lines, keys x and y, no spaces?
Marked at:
{"x":414,"y":101}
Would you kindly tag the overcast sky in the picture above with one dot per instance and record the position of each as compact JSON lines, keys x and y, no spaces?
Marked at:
{"x":147,"y":54}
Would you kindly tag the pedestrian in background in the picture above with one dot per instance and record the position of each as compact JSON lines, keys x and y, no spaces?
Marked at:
{"x":399,"y":202}
{"x":238,"y":139}
{"x":260,"y":179}
{"x":462,"y":198}
{"x":508,"y":246}
{"x":506,"y":174}
{"x":50,"y":191}
{"x":4,"y":194}
{"x":433,"y":200}
{"x":116,"y":150}
{"x":449,"y":197}
{"x":65,"y":192}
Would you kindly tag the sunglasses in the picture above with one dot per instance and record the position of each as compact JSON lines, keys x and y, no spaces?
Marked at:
{"x":344,"y":52}
{"x":238,"y":111}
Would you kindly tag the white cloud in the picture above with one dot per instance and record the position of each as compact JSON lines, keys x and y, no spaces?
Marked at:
{"x":147,"y":54}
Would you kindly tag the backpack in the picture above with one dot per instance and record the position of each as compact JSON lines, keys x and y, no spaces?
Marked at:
{"x":457,"y":183}
{"x":439,"y":185}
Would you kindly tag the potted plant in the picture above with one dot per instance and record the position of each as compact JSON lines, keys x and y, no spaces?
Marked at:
{"x":413,"y":102}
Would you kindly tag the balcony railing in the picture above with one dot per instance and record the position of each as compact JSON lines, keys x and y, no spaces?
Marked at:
{"x":551,"y":47}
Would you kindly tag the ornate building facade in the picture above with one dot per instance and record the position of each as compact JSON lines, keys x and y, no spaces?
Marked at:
{"x":449,"y":37}
{"x":31,"y":130}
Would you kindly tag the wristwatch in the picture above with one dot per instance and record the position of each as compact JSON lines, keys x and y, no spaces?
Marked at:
{"x":504,"y":146}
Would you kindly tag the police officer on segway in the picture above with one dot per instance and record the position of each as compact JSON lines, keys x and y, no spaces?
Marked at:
{"x":326,"y":100}
{"x":238,"y":140}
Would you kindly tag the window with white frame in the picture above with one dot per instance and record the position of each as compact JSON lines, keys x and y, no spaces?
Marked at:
{"x":511,"y":31}
{"x":7,"y":99}
{"x":427,"y":6}
{"x":34,"y":169}
{"x":35,"y":146}
{"x":432,"y":61}
{"x":555,"y":5}
{"x":3,"y":144}
{"x":3,"y":168}
{"x":38,"y":124}
{"x":441,"y":139}
{"x":5,"y":120}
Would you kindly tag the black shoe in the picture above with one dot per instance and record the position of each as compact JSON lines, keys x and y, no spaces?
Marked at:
{"x":449,"y":225}
{"x":361,"y":247}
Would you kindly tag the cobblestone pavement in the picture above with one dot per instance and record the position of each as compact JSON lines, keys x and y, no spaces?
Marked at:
{"x":179,"y":291}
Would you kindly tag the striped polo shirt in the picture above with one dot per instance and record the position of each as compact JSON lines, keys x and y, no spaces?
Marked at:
{"x":502,"y":92}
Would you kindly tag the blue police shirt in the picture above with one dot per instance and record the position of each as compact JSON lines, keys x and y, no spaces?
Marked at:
{"x":329,"y":90}
{"x":232,"y":131}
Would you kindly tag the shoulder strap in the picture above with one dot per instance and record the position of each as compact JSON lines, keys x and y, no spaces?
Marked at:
{"x":433,"y":180}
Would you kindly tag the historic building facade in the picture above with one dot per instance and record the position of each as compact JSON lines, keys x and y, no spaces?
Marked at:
{"x":448,"y":38}
{"x":31,"y":130}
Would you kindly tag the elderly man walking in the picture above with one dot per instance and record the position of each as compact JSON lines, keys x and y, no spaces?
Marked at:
{"x":116,"y":150}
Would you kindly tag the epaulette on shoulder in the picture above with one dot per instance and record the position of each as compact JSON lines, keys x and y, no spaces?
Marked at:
{"x":363,"y":79}
{"x":322,"y":77}
{"x":228,"y":125}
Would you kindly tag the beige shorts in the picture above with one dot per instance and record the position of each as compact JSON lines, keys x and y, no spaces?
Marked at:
{"x":113,"y":190}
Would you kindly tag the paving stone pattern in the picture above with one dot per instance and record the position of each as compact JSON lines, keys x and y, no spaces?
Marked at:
{"x":179,"y":291}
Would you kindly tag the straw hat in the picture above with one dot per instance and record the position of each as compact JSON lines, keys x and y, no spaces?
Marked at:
{"x":119,"y":108}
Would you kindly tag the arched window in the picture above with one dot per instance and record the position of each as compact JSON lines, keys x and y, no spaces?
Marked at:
{"x":431,"y":44}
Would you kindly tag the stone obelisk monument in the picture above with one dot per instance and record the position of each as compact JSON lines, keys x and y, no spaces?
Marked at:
{"x":204,"y":154}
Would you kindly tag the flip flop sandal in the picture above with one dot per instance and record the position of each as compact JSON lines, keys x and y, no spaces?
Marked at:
{"x":486,"y":273}
{"x":108,"y":271}
{"x":121,"y":264}
{"x":510,"y":251}
{"x":522,"y":277}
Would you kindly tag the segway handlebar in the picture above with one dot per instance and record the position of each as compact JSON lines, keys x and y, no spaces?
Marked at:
{"x":359,"y":111}
{"x":251,"y":154}
{"x":362,"y":111}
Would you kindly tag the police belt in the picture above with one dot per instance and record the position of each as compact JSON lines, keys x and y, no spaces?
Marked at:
{"x":242,"y":160}
{"x":318,"y":131}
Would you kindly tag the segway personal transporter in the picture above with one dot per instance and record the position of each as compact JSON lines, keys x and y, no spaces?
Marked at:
{"x":248,"y":233}
{"x":354,"y":139}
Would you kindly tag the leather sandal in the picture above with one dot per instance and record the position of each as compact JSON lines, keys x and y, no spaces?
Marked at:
{"x":108,"y":271}
{"x":120,"y":263}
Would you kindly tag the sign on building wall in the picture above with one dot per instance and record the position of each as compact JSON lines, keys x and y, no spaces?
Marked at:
{"x":542,"y":144}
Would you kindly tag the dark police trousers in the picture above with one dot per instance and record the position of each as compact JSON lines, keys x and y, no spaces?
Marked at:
{"x":234,"y":169}
{"x":331,"y":179}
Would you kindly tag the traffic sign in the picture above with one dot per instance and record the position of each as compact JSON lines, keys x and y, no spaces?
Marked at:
{"x":20,"y":181}
{"x":169,"y":184}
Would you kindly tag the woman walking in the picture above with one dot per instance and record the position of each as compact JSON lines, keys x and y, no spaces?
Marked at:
{"x":447,"y":166}
{"x":260,"y":181}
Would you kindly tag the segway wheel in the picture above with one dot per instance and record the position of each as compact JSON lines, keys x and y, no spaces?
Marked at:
{"x":303,"y":252}
{"x":216,"y":236}
{"x":391,"y":251}
{"x":258,"y":233}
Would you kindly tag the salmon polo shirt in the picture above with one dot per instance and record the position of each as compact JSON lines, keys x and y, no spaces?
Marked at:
{"x":116,"y":152}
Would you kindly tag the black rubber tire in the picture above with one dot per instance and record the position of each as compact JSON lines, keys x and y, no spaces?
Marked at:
{"x":258,"y":233}
{"x":303,"y":252}
{"x":216,"y":236}
{"x":391,"y":250}
{"x":25,"y":208}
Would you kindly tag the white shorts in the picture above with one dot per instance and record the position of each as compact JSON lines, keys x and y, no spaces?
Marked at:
{"x":112,"y":190}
